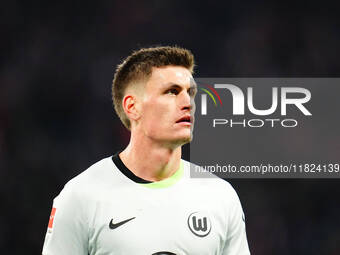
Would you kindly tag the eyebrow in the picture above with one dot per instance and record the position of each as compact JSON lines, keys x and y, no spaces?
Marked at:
{"x":175,"y":85}
{"x":169,"y":85}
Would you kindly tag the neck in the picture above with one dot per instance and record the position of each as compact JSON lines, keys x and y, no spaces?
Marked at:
{"x":150,"y":160}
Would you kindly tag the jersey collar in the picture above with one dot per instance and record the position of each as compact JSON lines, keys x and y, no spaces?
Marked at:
{"x":149,"y":184}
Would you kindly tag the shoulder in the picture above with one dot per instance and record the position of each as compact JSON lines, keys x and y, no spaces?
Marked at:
{"x":94,"y":173}
{"x":210,"y":183}
{"x":89,"y":181}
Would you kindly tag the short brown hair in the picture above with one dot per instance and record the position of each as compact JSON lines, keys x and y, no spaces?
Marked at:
{"x":138,"y":66}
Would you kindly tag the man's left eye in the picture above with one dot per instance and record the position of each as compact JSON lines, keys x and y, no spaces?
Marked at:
{"x":192,"y":91}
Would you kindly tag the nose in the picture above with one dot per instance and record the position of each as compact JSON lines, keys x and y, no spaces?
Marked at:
{"x":186,"y":101}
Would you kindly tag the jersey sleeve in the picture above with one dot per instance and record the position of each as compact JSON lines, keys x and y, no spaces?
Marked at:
{"x":67,"y":231}
{"x":236,"y":240}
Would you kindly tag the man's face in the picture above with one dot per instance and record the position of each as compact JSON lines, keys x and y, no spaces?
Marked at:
{"x":167,"y":106}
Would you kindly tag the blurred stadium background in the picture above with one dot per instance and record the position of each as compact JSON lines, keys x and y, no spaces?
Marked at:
{"x":56,"y":115}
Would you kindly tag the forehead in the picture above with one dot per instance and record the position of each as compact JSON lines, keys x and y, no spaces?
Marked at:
{"x":163,"y":76}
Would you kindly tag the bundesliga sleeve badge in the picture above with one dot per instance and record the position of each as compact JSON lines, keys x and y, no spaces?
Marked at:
{"x":50,"y":222}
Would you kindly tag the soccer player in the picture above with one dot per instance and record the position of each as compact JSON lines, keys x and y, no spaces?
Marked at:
{"x":142,"y":199}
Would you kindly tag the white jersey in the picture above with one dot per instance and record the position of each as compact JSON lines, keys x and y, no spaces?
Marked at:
{"x":106,"y":211}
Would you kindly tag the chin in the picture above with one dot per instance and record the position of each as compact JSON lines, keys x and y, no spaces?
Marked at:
{"x":177,"y":139}
{"x":184,"y":139}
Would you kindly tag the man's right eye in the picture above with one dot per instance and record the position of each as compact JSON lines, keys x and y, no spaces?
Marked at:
{"x":172,"y":91}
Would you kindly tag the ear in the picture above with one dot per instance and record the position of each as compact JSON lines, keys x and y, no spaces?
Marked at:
{"x":130,"y":106}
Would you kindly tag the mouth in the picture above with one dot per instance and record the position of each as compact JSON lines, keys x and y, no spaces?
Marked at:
{"x":187,"y":119}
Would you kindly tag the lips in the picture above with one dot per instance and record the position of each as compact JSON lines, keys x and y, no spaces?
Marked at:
{"x":185,"y":119}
